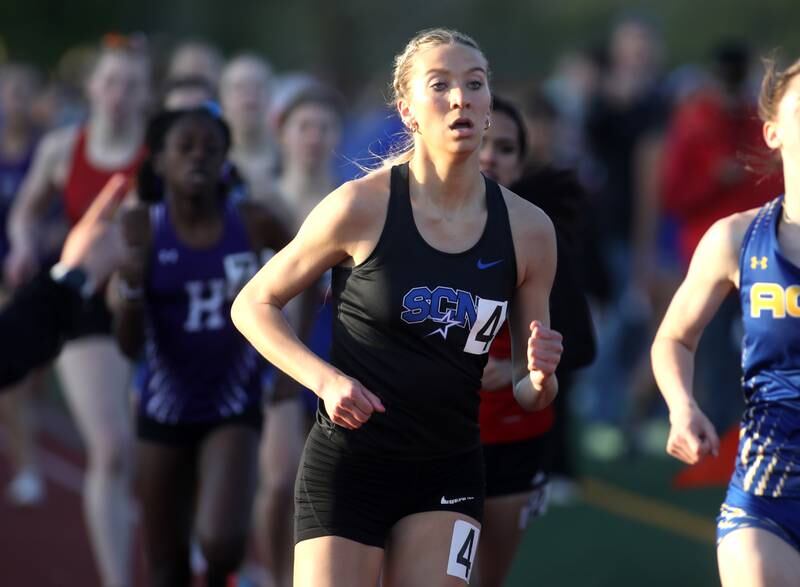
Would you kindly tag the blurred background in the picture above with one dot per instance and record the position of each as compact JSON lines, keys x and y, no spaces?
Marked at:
{"x":649,"y":105}
{"x":350,"y":42}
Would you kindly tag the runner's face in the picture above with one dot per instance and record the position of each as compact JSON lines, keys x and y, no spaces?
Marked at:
{"x":310,"y":135}
{"x":193,"y":156}
{"x":118,"y":88}
{"x":449,"y":98}
{"x":245,"y":95}
{"x":17,"y":94}
{"x":500,"y":157}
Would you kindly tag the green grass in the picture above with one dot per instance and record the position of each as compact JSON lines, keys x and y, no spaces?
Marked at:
{"x":590,"y":546}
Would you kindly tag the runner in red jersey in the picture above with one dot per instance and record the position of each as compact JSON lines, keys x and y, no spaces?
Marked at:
{"x":516,"y":443}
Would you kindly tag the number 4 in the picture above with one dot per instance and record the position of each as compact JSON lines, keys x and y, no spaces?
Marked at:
{"x":465,"y":554}
{"x":486,"y":334}
{"x":463,"y":548}
{"x":490,"y":317}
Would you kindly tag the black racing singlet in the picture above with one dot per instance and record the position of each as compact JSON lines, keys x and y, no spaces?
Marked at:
{"x":414,"y":324}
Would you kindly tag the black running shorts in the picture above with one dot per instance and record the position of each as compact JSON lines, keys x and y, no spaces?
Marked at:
{"x":361,"y":497}
{"x":193,"y":433}
{"x":515,"y":467}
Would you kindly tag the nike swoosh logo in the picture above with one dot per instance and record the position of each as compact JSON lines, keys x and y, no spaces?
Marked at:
{"x":482,"y":265}
{"x":446,"y":501}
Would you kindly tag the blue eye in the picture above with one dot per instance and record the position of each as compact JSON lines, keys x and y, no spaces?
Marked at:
{"x":439,"y":86}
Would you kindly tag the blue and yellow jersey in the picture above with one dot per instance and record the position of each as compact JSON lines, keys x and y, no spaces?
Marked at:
{"x":768,"y":462}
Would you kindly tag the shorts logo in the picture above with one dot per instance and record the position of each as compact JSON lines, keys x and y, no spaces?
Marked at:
{"x":455,"y":500}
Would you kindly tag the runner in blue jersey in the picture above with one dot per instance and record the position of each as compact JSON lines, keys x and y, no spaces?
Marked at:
{"x":199,"y":408}
{"x":758,"y":252}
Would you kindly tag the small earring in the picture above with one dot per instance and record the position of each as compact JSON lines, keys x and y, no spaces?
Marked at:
{"x":413,"y":126}
{"x":488,"y":124}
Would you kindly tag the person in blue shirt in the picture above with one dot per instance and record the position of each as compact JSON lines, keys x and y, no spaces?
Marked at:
{"x":757,"y":252}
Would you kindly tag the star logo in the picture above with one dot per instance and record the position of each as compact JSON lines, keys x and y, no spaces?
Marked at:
{"x":447,"y":321}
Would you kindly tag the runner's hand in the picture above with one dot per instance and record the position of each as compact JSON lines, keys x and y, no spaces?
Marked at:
{"x":348,"y":403}
{"x":691,"y":435}
{"x":95,"y":242}
{"x":544,"y":353}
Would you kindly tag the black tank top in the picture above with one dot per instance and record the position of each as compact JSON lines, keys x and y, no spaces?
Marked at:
{"x":414,"y":324}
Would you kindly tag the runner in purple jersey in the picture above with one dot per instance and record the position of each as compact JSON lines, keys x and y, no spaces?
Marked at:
{"x":199,"y":411}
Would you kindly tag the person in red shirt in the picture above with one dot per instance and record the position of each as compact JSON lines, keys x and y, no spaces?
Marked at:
{"x":712,"y":136}
{"x":516,"y":445}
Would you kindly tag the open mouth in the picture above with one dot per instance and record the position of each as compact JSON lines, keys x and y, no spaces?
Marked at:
{"x":462,"y":124}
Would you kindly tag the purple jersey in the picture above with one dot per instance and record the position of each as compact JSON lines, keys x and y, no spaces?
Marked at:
{"x":12,"y":172}
{"x":197,"y":366}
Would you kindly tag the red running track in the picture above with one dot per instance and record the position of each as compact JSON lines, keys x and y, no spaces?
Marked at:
{"x":47,"y":545}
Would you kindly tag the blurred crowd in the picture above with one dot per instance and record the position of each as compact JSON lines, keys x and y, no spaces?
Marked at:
{"x":658,"y":155}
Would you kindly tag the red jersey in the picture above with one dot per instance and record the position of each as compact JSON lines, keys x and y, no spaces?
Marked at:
{"x":84,"y":180}
{"x":501,"y":418}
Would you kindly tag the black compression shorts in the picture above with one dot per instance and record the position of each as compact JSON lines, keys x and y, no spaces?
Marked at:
{"x":193,"y":433}
{"x":361,"y":497}
{"x":515,"y":467}
{"x":92,"y":318}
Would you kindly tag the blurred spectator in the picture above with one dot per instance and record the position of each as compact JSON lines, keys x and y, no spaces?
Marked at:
{"x":309,"y":128}
{"x":710,"y":138}
{"x":541,"y":123}
{"x":19,"y":86}
{"x":196,"y":58}
{"x":624,"y":123}
{"x":627,"y":110}
{"x":569,"y":89}
{"x":180,"y":93}
{"x":76,"y":162}
{"x":372,"y":130}
{"x":63,"y":101}
{"x":246,"y":94}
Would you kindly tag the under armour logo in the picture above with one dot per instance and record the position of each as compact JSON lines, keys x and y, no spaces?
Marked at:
{"x":755,"y":262}
{"x":166,"y":256}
